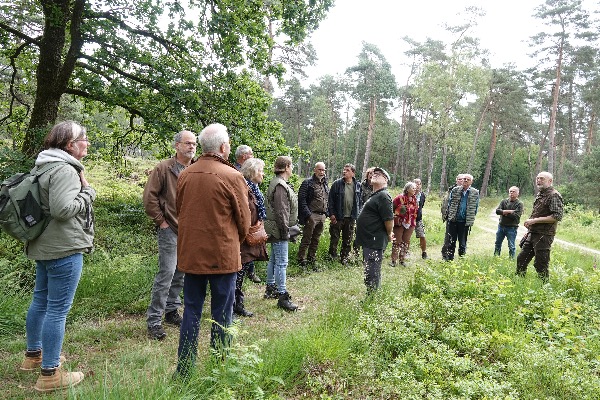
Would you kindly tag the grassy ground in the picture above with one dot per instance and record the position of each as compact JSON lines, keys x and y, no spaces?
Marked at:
{"x":327,"y":349}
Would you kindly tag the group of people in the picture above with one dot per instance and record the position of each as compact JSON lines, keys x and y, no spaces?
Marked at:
{"x":205,"y":210}
{"x":460,"y":206}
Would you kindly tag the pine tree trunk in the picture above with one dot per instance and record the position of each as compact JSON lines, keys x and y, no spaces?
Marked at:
{"x":372,"y":110}
{"x":490,"y":159}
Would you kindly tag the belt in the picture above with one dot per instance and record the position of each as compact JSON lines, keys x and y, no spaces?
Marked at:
{"x":319,"y":212}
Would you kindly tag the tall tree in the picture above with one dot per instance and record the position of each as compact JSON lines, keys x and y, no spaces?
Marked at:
{"x":374,"y":84}
{"x":566,"y":21}
{"x":167,"y":63}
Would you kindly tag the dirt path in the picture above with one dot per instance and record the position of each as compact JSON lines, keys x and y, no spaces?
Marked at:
{"x":521,"y":231}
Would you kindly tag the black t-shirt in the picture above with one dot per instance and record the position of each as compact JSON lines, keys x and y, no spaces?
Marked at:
{"x":370,"y":227}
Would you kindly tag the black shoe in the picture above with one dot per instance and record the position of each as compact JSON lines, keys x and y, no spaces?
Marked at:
{"x":173,"y":318}
{"x":156,"y":332}
{"x":402,"y":264}
{"x":271,"y":292}
{"x":254,"y":278}
{"x":286,"y":303}
{"x":424,"y":255}
{"x":239,"y":309}
{"x":393,"y":264}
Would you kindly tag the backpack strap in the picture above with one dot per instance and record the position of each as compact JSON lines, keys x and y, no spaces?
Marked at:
{"x":39,"y":171}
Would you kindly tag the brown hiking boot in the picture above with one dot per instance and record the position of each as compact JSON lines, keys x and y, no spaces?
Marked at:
{"x":35,"y":362}
{"x":57,"y":378}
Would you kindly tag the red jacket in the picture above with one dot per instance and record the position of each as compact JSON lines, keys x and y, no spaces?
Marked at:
{"x":214,"y":217}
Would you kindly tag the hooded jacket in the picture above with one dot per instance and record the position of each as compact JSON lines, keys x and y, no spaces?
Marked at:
{"x":71,"y":227}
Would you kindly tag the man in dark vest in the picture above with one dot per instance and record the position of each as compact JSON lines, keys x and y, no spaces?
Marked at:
{"x":547,"y":211}
{"x":462,"y":208}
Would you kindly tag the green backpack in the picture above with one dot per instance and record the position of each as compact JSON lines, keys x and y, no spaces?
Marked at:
{"x":21,"y":213}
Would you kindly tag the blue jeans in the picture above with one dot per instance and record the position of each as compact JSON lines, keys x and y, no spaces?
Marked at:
{"x":277,"y":266}
{"x":55,"y":285}
{"x":510,"y":232}
{"x":222,"y":292}
{"x":168,"y":281}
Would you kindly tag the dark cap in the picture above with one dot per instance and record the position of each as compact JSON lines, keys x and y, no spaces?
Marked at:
{"x":383,"y":171}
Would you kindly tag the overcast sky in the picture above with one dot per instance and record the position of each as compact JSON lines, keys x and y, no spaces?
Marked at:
{"x":504,"y":31}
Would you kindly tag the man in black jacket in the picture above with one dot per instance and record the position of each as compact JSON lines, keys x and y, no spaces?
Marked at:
{"x":312,"y":212}
{"x":343,"y":207}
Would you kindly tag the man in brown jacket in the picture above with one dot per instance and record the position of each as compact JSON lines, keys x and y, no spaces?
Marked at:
{"x":214,"y":217}
{"x":159,"y":203}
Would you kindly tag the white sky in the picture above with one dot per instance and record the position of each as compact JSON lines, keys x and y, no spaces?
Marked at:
{"x":504,"y":31}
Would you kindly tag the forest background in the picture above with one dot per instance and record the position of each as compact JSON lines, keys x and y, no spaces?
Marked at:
{"x":134,"y":73}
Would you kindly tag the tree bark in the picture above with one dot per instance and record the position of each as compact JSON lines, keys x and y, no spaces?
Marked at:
{"x":53,"y":72}
{"x":490,"y":159}
{"x":556,"y":91}
{"x":372,"y":111}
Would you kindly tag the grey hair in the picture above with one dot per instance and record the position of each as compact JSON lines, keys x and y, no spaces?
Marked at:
{"x":62,"y":134}
{"x":179,"y":135}
{"x":408,"y":186}
{"x":242,"y":150}
{"x":251,"y":166}
{"x":212,"y":138}
{"x":351,"y":166}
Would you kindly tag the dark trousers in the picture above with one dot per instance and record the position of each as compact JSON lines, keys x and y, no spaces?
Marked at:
{"x":455,"y":231}
{"x":239,"y":282}
{"x":311,"y":233}
{"x":372,"y":259}
{"x":222,"y":290}
{"x":536,"y":245}
{"x":345,"y":227}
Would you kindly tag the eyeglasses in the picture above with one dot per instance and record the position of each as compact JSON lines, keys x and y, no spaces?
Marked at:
{"x":194,"y":144}
{"x":82,"y":140}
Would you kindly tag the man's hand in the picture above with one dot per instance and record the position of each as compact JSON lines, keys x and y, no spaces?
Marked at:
{"x":507,"y":212}
{"x":332,"y":219}
{"x":164,"y":225}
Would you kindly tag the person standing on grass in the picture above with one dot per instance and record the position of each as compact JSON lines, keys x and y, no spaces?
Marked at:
{"x":420,"y":227}
{"x":548,"y":210}
{"x":253,"y":171}
{"x":282,"y":214}
{"x":374,"y":228}
{"x":510,"y":211}
{"x":343,"y":207}
{"x":159,"y":203}
{"x":67,"y":197}
{"x":463,"y":203}
{"x":243,"y":153}
{"x":312,"y":213}
{"x":444,"y":210}
{"x":214,"y":218}
{"x":405,"y":219}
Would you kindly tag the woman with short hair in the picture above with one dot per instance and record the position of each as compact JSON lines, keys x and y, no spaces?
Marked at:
{"x":253,"y":171}
{"x":67,"y":197}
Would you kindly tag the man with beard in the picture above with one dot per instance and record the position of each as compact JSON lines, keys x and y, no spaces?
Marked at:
{"x":547,"y":211}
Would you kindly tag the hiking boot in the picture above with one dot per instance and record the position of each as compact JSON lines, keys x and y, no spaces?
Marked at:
{"x":156,"y":332}
{"x":271,"y":292}
{"x":254,"y":278}
{"x":173,"y":318}
{"x":286,"y":303}
{"x":239,"y":309}
{"x":393,"y":264}
{"x":56,"y":378}
{"x":402,"y":264}
{"x":424,"y":255}
{"x":32,"y":363}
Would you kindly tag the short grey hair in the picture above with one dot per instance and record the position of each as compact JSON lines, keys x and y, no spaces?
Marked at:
{"x":408,"y":186}
{"x":251,"y":166}
{"x":179,"y":135}
{"x":212,"y":138}
{"x":242,"y":150}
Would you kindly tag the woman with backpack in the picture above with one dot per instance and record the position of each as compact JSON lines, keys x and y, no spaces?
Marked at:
{"x":67,"y":197}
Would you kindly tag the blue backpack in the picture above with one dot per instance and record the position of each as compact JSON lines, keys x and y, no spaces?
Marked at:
{"x":21,"y":213}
